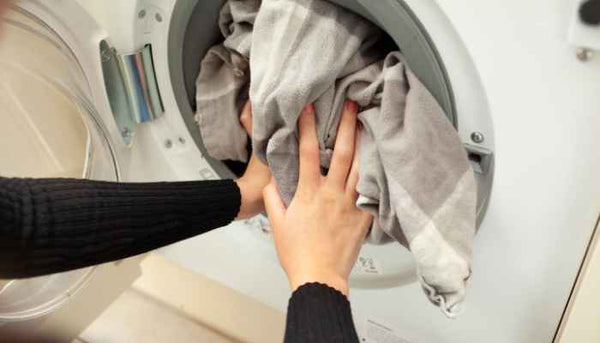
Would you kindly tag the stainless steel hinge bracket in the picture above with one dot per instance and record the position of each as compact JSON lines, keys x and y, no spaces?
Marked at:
{"x":132,"y":88}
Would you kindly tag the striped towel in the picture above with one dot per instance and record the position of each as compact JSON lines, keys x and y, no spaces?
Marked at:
{"x":414,"y":173}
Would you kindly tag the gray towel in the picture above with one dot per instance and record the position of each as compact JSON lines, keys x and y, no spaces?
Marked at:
{"x":415,"y":177}
{"x":222,"y":86}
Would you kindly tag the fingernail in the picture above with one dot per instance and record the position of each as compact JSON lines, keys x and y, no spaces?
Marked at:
{"x":351,"y":105}
{"x":308,"y":108}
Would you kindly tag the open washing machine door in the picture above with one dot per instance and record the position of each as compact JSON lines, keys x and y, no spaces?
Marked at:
{"x":49,"y":128}
{"x":52,"y":127}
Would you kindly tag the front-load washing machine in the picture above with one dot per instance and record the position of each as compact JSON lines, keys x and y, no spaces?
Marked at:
{"x":517,"y":79}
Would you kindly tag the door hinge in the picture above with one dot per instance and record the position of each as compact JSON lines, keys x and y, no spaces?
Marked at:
{"x":132,"y":88}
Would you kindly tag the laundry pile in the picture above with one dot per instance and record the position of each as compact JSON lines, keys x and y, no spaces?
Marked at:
{"x":414,"y":173}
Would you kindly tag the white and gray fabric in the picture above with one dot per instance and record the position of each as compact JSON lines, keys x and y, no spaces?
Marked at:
{"x":414,"y":173}
{"x":222,"y":86}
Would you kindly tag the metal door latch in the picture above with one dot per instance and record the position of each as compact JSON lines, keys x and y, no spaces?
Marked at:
{"x":132,"y":88}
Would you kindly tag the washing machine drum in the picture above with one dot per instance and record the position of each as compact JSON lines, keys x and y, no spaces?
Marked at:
{"x":432,"y":50}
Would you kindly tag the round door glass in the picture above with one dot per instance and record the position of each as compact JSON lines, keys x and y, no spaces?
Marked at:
{"x":49,"y":129}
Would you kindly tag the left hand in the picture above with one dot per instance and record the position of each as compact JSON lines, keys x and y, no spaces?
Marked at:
{"x":255,"y":178}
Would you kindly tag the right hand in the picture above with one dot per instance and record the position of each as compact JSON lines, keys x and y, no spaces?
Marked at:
{"x":319,"y":236}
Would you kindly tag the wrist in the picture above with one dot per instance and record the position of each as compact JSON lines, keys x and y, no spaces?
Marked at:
{"x":251,"y":201}
{"x":334,"y":282}
{"x":251,"y":186}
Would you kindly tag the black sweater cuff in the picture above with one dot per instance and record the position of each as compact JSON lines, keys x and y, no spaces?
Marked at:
{"x":319,"y":313}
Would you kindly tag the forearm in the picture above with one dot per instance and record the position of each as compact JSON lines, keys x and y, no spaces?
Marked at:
{"x":319,"y":313}
{"x":55,"y":225}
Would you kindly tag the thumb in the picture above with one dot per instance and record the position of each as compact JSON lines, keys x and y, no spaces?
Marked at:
{"x":273,"y":204}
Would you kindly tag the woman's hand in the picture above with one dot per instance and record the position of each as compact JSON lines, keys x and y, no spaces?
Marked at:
{"x":255,"y":178}
{"x":319,"y":236}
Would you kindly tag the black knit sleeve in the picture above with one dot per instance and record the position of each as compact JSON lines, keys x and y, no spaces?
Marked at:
{"x":318,"y":313}
{"x":55,"y":225}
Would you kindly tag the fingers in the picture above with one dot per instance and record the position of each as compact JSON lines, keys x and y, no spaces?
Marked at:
{"x":310,"y":172}
{"x":273,"y":203}
{"x":343,"y":154}
{"x":246,"y":118}
{"x":367,"y":222}
{"x":354,"y":175}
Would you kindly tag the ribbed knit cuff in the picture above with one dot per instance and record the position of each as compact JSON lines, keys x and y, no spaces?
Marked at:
{"x":319,"y":313}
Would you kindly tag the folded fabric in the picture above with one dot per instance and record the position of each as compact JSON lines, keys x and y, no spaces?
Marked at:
{"x":414,"y":173}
